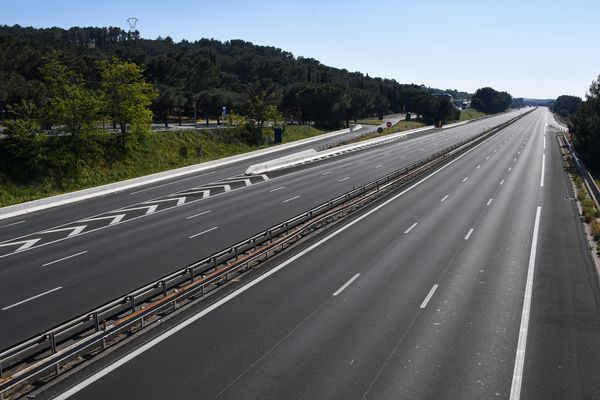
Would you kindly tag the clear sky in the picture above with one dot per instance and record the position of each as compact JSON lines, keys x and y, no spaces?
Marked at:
{"x":529,"y":48}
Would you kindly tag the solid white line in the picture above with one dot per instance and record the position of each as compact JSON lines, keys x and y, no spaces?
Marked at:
{"x":64,"y":258}
{"x":98,"y":375}
{"x":378,"y":166}
{"x":14,"y":223}
{"x":445,"y":197}
{"x":327,"y":173}
{"x":344,"y":179}
{"x":340,"y":290}
{"x":170,"y":183}
{"x":411,"y":227}
{"x":469,"y":234}
{"x":290,"y":199}
{"x":489,"y":202}
{"x":465,"y":179}
{"x":501,"y":182}
{"x":197,"y":215}
{"x":515,"y":390}
{"x":203,"y":232}
{"x":544,"y":142}
{"x":429,"y":296}
{"x":276,"y":189}
{"x":543,"y":168}
{"x":31,"y":298}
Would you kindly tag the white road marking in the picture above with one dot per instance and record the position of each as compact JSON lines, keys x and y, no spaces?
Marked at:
{"x":514,"y":159}
{"x":290,"y":199}
{"x":544,"y":142}
{"x":197,"y":215}
{"x":429,"y":296}
{"x":203,"y":232}
{"x":411,"y":227}
{"x":276,"y":189}
{"x":362,"y":162}
{"x":327,"y":173}
{"x":489,"y":202}
{"x":403,"y":157}
{"x":479,"y":166}
{"x":14,"y":223}
{"x":465,"y":178}
{"x":501,"y":182}
{"x":445,"y":197}
{"x":543,"y":168}
{"x":31,"y":298}
{"x":345,"y":285}
{"x":469,"y":234}
{"x":170,"y":183}
{"x":487,"y":158}
{"x":378,"y":166}
{"x":150,"y":344}
{"x":509,"y":169}
{"x":515,"y":390}
{"x":64,"y":258}
{"x":344,"y":179}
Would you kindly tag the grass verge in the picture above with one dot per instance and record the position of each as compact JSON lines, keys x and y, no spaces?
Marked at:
{"x":159,"y":152}
{"x":470,"y":113}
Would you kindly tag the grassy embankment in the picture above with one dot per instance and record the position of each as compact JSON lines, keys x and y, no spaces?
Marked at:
{"x":160,"y":152}
{"x":470,"y":113}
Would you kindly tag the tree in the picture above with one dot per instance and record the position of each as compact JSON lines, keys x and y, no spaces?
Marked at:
{"x":126,"y":99}
{"x":490,"y":101}
{"x":586,"y":127}
{"x":566,"y":105}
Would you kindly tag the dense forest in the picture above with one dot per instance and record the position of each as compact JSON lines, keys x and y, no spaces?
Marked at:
{"x":209,"y":74}
{"x":584,"y":123}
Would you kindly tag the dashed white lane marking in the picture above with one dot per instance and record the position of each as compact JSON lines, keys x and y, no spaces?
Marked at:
{"x":345,"y":285}
{"x":487,"y":158}
{"x":378,"y":166}
{"x":170,"y":183}
{"x":514,"y":159}
{"x":362,"y":162}
{"x":14,"y":223}
{"x":544,"y":142}
{"x":290,"y":199}
{"x":31,"y":298}
{"x":429,"y":296}
{"x":203,"y":232}
{"x":197,"y":215}
{"x":327,"y":173}
{"x":64,"y":258}
{"x":509,"y":169}
{"x":515,"y":390}
{"x":445,"y":197}
{"x":411,"y":227}
{"x":465,"y":179}
{"x":276,"y":189}
{"x":501,"y":182}
{"x":489,"y":202}
{"x":344,"y":179}
{"x":479,"y":166}
{"x":543,"y":170}
{"x":469,"y":234}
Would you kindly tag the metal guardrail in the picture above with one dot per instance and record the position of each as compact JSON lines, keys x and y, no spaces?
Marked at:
{"x":588,"y":180}
{"x":46,"y":354}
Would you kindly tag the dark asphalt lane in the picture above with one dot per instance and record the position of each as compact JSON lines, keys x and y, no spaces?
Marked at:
{"x":110,"y":262}
{"x":420,"y":299}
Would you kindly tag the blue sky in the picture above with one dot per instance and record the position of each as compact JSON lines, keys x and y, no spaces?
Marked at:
{"x":529,"y":48}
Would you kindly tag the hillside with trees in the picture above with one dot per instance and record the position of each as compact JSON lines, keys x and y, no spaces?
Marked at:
{"x":586,"y":128}
{"x":208,"y":74}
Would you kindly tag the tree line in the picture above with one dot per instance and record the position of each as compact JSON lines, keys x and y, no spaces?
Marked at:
{"x":584,"y":124}
{"x":206,"y":75}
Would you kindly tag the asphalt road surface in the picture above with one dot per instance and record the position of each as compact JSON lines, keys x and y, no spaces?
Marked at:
{"x":474,"y":283}
{"x":62,"y":262}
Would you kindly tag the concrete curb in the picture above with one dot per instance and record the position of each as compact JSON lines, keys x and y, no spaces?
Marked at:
{"x":72,"y":197}
{"x":299,"y":158}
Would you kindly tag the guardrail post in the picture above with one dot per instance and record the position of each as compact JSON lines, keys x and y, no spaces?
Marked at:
{"x":253,"y":244}
{"x":164,"y":288}
{"x":132,"y":301}
{"x":235,"y":251}
{"x":192,"y":277}
{"x":53,"y":345}
{"x":96,"y":321}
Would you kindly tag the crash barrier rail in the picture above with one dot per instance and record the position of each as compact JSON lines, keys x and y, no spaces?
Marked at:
{"x":63,"y":347}
{"x":588,"y":180}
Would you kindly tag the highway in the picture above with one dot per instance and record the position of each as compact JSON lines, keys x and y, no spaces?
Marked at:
{"x":62,"y":262}
{"x":475,"y":282}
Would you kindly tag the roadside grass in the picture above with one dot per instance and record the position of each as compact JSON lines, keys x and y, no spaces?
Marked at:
{"x":470,"y":113}
{"x":370,"y":121}
{"x":589,"y":213}
{"x":400,"y":127}
{"x":159,"y":152}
